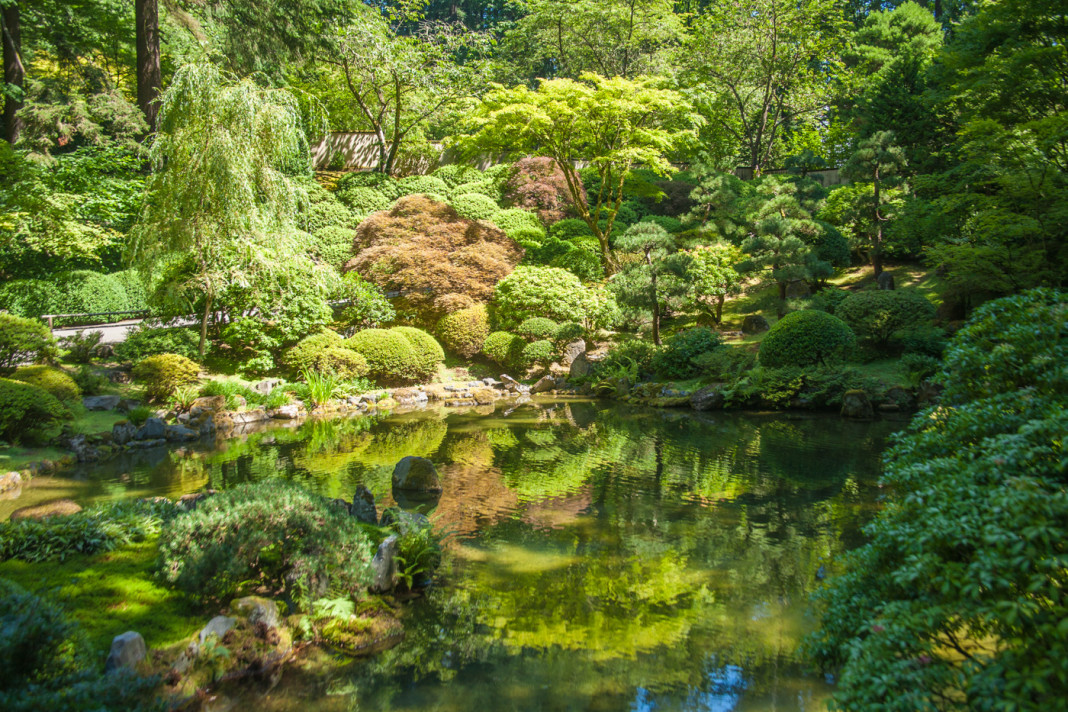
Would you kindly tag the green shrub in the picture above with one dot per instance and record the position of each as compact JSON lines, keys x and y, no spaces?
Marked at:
{"x":581,"y":257}
{"x":926,"y":340}
{"x":429,"y":355}
{"x":391,"y":359}
{"x":676,"y":358}
{"x":145,"y":340}
{"x":231,"y":391}
{"x":26,"y":411}
{"x":568,"y":332}
{"x":28,"y":297}
{"x":919,"y":367}
{"x":627,"y":215}
{"x":805,"y":337}
{"x":363,"y":200}
{"x":333,"y":244}
{"x":505,"y":349}
{"x":514,"y":219}
{"x":528,"y":236}
{"x":876,"y":316}
{"x":84,"y":291}
{"x":51,"y":380}
{"x":271,"y":534}
{"x":455,"y":174}
{"x":475,"y":206}
{"x":541,"y":291}
{"x":481,"y":187}
{"x":671,"y":225}
{"x":570,"y":229}
{"x":90,"y":382}
{"x":82,"y":346}
{"x":463,"y":332}
{"x":134,"y":288}
{"x":725,"y":363}
{"x":537,"y":328}
{"x":164,"y":374}
{"x":538,"y":353}
{"x":828,"y":299}
{"x":326,"y":213}
{"x":325,"y":353}
{"x":427,"y":185}
{"x":382,"y":182}
{"x":632,"y":360}
{"x":366,"y":304}
{"x":23,"y":340}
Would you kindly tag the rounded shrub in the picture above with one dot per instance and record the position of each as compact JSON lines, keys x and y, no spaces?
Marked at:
{"x":464,"y":331}
{"x":391,"y":359}
{"x":537,"y":328}
{"x":504,"y":348}
{"x":328,"y":212}
{"x":134,"y":287}
{"x":164,"y":374}
{"x":803,"y":338}
{"x":325,"y":352}
{"x":538,"y":353}
{"x":87,"y":292}
{"x":876,"y":316}
{"x":671,"y":225}
{"x":514,"y":219}
{"x":550,"y":292}
{"x":455,"y":174}
{"x":313,"y":546}
{"x":364,"y":200}
{"x":568,"y":332}
{"x":427,"y":185}
{"x":528,"y":236}
{"x":26,"y":410}
{"x":480,"y":187}
{"x":383,"y":183}
{"x":334,"y":245}
{"x":569,"y":229}
{"x":427,"y":351}
{"x":23,"y":340}
{"x":28,"y":297}
{"x":51,"y":380}
{"x":475,"y":206}
{"x":145,"y":340}
{"x":676,"y":359}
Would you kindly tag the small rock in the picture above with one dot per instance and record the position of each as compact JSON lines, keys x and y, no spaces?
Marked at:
{"x":207,"y":425}
{"x":484,"y":396}
{"x":258,"y":610}
{"x":572,"y":351}
{"x":267,"y":385}
{"x":101,"y":402}
{"x":885,"y":281}
{"x":211,"y":404}
{"x":127,"y":404}
{"x":217,"y":626}
{"x":153,"y":429}
{"x":491,"y":382}
{"x":58,"y":507}
{"x":82,"y":450}
{"x":455,"y":389}
{"x":409,"y":396}
{"x":127,"y":650}
{"x":545,"y":383}
{"x":798,"y":289}
{"x":509,"y":382}
{"x":405,"y":521}
{"x":755,"y":324}
{"x":363,"y":506}
{"x":10,"y":481}
{"x":857,"y":405}
{"x":286,"y":412}
{"x":384,"y":565}
{"x":245,"y":417}
{"x":475,"y":384}
{"x":416,"y":474}
{"x":180,"y":434}
{"x":460,"y":403}
{"x":708,"y":398}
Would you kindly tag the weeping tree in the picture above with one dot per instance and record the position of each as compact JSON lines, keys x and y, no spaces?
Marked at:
{"x":219,"y":203}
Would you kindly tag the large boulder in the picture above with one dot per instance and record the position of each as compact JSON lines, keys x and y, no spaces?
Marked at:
{"x":180,"y":434}
{"x":127,"y":650}
{"x":545,"y":383}
{"x":267,"y":385}
{"x":856,"y":405}
{"x":416,"y":474}
{"x":101,"y":402}
{"x":258,"y":610}
{"x":123,"y":432}
{"x":885,"y":281}
{"x":217,"y":626}
{"x":755,"y":324}
{"x":363,"y":506}
{"x":153,"y":429}
{"x":707,"y":398}
{"x":580,"y":366}
{"x":572,"y":351}
{"x":384,"y":565}
{"x":10,"y":481}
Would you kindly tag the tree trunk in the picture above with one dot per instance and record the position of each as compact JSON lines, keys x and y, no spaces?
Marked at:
{"x":877,"y":238}
{"x":204,"y":327}
{"x":782,"y":299}
{"x":14,"y":71}
{"x":719,"y":309}
{"x":656,"y":299}
{"x":149,"y":78}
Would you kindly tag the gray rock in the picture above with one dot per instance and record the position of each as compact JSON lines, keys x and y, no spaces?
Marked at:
{"x":708,"y":398}
{"x":856,"y":405}
{"x":180,"y":434}
{"x":127,"y":650}
{"x":245,"y":417}
{"x":475,"y":384}
{"x":384,"y":565}
{"x":217,"y":626}
{"x":509,"y":382}
{"x":146,"y":444}
{"x":572,"y":351}
{"x":580,"y":367}
{"x":127,"y":404}
{"x":153,"y":429}
{"x":416,"y":474}
{"x":286,"y":412}
{"x":455,"y":389}
{"x":82,"y":449}
{"x":10,"y":481}
{"x":363,"y":506}
{"x":885,"y":281}
{"x":101,"y":402}
{"x":258,"y":610}
{"x":267,"y":385}
{"x":755,"y":324}
{"x":122,"y":433}
{"x":491,"y":381}
{"x":545,"y":383}
{"x":409,"y":396}
{"x":207,"y":425}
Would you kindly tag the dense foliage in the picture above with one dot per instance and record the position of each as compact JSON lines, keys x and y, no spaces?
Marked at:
{"x":805,"y":337}
{"x":464,"y":331}
{"x":163,"y":374}
{"x":23,"y":340}
{"x":50,"y":380}
{"x":27,"y":411}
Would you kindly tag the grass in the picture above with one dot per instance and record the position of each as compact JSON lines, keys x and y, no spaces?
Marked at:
{"x":887,"y":370}
{"x":95,"y":421}
{"x":112,"y":593}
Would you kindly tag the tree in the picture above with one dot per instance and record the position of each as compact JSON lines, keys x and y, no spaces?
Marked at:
{"x":149,"y":79}
{"x":957,"y":600}
{"x":614,"y":125}
{"x":758,"y":70}
{"x":712,"y":276}
{"x":880,"y":162}
{"x":219,"y":215}
{"x":656,"y":276}
{"x":398,"y":82}
{"x":14,"y":70}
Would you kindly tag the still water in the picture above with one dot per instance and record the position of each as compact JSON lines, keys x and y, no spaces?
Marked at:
{"x":602,"y":557}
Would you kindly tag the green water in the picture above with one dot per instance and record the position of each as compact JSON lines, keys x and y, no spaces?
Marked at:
{"x":604,"y":558}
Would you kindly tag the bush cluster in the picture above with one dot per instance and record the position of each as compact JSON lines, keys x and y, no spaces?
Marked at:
{"x":363,"y":200}
{"x":398,"y":356}
{"x":537,"y":328}
{"x":877,"y":316}
{"x":23,"y":340}
{"x":28,"y":297}
{"x":676,"y":359}
{"x":324,"y":353}
{"x":455,"y":174}
{"x":27,"y":411}
{"x":428,"y":352}
{"x":805,"y":337}
{"x":464,"y":331}
{"x":51,"y":380}
{"x":333,"y":244}
{"x":505,"y":349}
{"x":146,"y":340}
{"x":84,"y":291}
{"x":538,"y":353}
{"x":543,"y":291}
{"x":426,"y":185}
{"x":164,"y":374}
{"x":382,"y":182}
{"x":271,"y":534}
{"x":474,"y":206}
{"x":514,"y":219}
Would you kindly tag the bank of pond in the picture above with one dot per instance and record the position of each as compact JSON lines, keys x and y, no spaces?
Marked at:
{"x":581,"y":554}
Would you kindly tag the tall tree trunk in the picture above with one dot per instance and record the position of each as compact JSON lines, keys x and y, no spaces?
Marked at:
{"x":14,"y":71}
{"x":877,"y":238}
{"x":719,"y":308}
{"x":204,"y":327}
{"x":149,"y":78}
{"x":656,"y":299}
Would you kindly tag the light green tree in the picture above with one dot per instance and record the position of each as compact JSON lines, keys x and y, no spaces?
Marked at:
{"x":613,"y":125}
{"x":880,"y":163}
{"x":712,"y":277}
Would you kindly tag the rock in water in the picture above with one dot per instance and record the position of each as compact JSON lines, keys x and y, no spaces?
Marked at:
{"x":416,"y":474}
{"x":855,"y":404}
{"x":363,"y":506}
{"x":545,"y":383}
{"x":153,"y":429}
{"x":384,"y":565}
{"x":127,"y":650}
{"x":755,"y":324}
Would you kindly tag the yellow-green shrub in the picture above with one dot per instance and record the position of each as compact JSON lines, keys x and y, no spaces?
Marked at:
{"x":26,"y":410}
{"x":164,"y":374}
{"x":463,"y":332}
{"x":51,"y":380}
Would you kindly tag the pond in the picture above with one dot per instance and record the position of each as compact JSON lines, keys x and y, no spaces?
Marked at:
{"x":602,"y":557}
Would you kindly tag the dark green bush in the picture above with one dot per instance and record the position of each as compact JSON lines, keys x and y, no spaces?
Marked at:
{"x":428,"y":353}
{"x":632,"y":360}
{"x":568,"y":332}
{"x":919,"y":367}
{"x":23,"y":340}
{"x":463,"y":332}
{"x":505,"y":349}
{"x":271,"y":534}
{"x":570,"y":229}
{"x":363,"y":200}
{"x":90,"y":382}
{"x":514,"y":219}
{"x":82,"y":346}
{"x":474,"y":206}
{"x":51,"y":380}
{"x":164,"y":374}
{"x":676,"y":358}
{"x":147,"y":340}
{"x":84,"y":291}
{"x":538,"y":353}
{"x":134,"y":288}
{"x":391,"y":359}
{"x":455,"y":174}
{"x":26,"y":411}
{"x":805,"y":337}
{"x":828,"y":299}
{"x":926,"y":340}
{"x":581,"y":257}
{"x":537,"y":328}
{"x":28,"y":297}
{"x":427,"y":185}
{"x":725,"y":363}
{"x":382,"y":182}
{"x":876,"y":316}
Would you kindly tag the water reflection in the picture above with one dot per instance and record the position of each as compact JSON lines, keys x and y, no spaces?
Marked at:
{"x":606,"y":558}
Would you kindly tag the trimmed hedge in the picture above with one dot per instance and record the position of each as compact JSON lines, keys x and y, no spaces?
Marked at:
{"x":23,"y":340}
{"x":455,"y":174}
{"x":427,"y":185}
{"x":541,"y":291}
{"x":333,"y":244}
{"x":164,"y":374}
{"x":51,"y":380}
{"x":514,"y":219}
{"x":391,"y":359}
{"x":474,"y":206}
{"x":144,"y":341}
{"x":538,"y":353}
{"x":383,"y":183}
{"x":325,"y":352}
{"x":538,"y":328}
{"x":427,"y":350}
{"x":480,"y":187}
{"x":26,"y":410}
{"x":876,"y":316}
{"x":28,"y":297}
{"x":803,"y":338}
{"x":84,"y":291}
{"x":505,"y":349}
{"x":463,"y":332}
{"x":363,"y":200}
